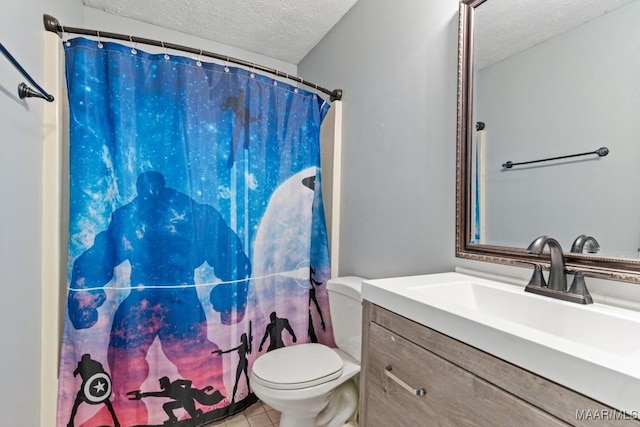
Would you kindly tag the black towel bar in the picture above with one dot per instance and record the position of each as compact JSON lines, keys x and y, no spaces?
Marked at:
{"x":601,"y":152}
{"x":24,"y":91}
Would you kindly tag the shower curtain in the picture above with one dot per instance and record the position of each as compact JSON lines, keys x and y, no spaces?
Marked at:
{"x":197,"y":236}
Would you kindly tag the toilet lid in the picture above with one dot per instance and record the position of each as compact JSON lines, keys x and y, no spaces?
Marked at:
{"x":298,"y":366}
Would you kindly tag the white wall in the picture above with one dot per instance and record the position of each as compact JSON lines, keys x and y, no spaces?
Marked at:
{"x":22,"y":33}
{"x":396,"y":62}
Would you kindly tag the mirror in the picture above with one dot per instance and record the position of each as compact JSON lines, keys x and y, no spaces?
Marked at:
{"x":540,"y":82}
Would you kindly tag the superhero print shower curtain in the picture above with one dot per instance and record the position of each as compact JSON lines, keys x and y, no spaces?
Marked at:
{"x":197,"y":236}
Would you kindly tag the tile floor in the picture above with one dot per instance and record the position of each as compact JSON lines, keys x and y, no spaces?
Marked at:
{"x":257,"y":415}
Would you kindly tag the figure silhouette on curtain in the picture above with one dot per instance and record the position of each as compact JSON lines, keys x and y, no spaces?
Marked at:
{"x":241,"y":121}
{"x":243,"y":364}
{"x":274,"y":332}
{"x":312,"y":298}
{"x":183,"y":395}
{"x":95,"y":388}
{"x":164,"y":235}
{"x":310,"y":183}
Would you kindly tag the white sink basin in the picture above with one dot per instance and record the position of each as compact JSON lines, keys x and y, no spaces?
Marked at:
{"x":606,"y":330}
{"x":593,"y":349}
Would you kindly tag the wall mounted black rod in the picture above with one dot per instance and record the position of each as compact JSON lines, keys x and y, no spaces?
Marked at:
{"x":53,"y":25}
{"x":25,"y":91}
{"x":601,"y":152}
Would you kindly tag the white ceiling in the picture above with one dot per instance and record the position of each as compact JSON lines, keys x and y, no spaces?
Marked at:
{"x":505,"y":27}
{"x":281,"y":29}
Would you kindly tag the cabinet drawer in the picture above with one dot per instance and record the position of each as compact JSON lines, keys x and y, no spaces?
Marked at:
{"x":454,"y":397}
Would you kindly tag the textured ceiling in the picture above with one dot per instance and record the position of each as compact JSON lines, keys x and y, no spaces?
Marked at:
{"x":281,"y":29}
{"x":505,"y":27}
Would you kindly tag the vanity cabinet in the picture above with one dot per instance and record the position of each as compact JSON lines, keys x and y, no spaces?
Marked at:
{"x":463,"y":386}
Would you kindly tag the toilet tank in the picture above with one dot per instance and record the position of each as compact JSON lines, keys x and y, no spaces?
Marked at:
{"x":345,"y":303}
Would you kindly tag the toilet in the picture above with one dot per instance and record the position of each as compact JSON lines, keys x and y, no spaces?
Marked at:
{"x":312,"y":384}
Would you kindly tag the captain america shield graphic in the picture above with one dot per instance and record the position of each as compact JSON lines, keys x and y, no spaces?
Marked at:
{"x":97,"y":388}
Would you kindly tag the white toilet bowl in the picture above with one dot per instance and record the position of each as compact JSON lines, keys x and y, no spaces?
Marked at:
{"x":300,"y":381}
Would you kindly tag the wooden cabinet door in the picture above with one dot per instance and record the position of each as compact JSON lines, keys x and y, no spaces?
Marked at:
{"x":454,"y":397}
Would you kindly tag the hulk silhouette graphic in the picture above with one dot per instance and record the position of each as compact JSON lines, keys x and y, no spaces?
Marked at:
{"x":164,"y":235}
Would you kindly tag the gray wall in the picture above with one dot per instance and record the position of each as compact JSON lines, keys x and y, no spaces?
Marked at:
{"x":21,"y":175}
{"x":396,"y":62}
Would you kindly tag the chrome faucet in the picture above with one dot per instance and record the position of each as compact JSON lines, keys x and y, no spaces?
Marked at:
{"x":557,"y":287}
{"x":583,"y":241}
{"x":557,"y":278}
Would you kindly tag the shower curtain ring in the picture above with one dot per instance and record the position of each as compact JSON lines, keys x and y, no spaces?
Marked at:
{"x":66,"y":42}
{"x":198,"y":61}
{"x":226,"y":64}
{"x":133,"y":49}
{"x":253,"y":70}
{"x":166,"y":52}
{"x":100,"y":45}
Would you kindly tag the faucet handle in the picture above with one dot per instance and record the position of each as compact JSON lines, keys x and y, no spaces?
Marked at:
{"x":537,"y":279}
{"x":579,"y":287}
{"x":584,"y":241}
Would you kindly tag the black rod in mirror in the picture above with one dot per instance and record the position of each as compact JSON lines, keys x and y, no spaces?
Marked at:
{"x":601,"y":152}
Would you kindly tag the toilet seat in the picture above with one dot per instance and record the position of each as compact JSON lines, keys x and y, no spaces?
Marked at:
{"x":298,"y":366}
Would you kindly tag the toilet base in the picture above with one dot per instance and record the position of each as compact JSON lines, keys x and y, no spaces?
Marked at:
{"x":290,"y":421}
{"x":331,"y":410}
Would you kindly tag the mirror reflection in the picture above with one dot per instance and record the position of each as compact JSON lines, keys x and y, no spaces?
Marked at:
{"x":547,"y":82}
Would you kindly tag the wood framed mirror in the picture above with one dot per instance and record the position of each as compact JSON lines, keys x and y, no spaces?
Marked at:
{"x":537,"y":81}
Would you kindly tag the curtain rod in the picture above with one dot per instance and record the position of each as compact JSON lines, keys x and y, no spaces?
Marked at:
{"x":53,"y":25}
{"x":25,"y":91}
